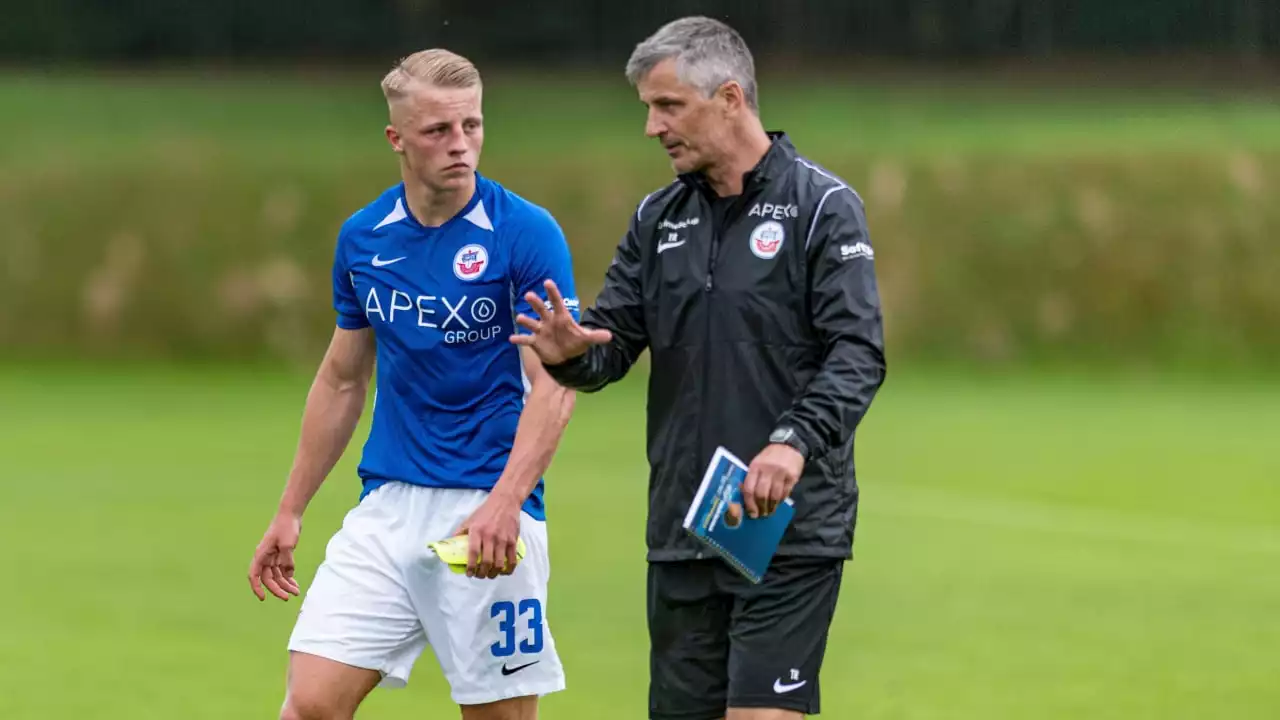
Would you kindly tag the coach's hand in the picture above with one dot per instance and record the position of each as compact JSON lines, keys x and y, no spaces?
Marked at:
{"x":770,"y":478}
{"x":272,"y":563}
{"x":493,"y":531}
{"x":556,"y":336}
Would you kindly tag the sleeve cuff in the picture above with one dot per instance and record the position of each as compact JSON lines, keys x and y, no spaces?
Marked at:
{"x":571,"y":373}
{"x":792,"y":435}
{"x":348,"y":322}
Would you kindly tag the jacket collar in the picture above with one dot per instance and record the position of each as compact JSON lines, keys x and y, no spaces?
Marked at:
{"x":780,"y":155}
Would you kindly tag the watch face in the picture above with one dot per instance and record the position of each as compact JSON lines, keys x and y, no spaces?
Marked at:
{"x":780,"y":436}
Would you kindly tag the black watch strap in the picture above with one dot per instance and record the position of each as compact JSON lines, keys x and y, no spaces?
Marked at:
{"x":789,"y":437}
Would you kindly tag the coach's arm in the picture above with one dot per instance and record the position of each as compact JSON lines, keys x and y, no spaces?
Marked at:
{"x":847,"y":317}
{"x":619,"y":309}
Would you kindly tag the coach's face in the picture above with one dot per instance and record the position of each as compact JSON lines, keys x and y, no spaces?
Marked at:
{"x":438,"y":132}
{"x":692,"y":127}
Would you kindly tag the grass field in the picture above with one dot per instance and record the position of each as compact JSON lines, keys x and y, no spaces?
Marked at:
{"x":1030,"y":547}
{"x":1033,"y":546}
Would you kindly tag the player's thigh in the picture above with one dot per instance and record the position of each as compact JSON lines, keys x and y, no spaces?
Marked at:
{"x":492,"y":637}
{"x":778,"y":636}
{"x":323,"y":689}
{"x":357,"y":611}
{"x":688,"y":641}
{"x":518,"y":708}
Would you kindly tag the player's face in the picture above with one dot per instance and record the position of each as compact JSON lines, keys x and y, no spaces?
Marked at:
{"x":692,"y":128}
{"x":439,"y":133}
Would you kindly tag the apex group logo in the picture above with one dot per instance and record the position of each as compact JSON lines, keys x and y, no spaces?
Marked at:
{"x":470,"y":262}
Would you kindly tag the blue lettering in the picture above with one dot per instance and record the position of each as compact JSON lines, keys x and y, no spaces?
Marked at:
{"x":507,"y":612}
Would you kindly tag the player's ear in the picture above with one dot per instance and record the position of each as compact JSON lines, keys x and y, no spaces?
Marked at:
{"x":393,"y":137}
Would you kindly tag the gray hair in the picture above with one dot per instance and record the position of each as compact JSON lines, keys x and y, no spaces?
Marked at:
{"x":708,"y":54}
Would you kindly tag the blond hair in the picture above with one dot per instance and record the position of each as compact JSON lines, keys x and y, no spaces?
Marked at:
{"x":436,"y":66}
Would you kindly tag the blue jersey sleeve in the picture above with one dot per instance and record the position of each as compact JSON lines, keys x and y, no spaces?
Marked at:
{"x":350,"y":315}
{"x":541,"y":252}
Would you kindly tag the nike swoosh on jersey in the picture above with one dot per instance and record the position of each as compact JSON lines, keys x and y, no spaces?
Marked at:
{"x":383,"y":263}
{"x":668,"y":246}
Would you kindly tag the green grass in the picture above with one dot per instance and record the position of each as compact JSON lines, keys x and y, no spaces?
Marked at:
{"x":1028,"y":547}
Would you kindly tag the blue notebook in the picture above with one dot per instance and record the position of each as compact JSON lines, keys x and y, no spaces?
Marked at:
{"x":718,"y":519}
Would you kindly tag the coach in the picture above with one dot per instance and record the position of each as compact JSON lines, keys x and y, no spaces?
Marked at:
{"x":750,"y":279}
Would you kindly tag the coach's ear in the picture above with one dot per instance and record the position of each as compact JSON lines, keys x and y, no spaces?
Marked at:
{"x":734,"y":97}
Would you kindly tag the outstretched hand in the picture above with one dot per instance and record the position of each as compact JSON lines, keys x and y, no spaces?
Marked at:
{"x":555,"y":336}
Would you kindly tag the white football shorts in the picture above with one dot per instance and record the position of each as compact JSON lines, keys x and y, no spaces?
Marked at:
{"x":381,"y":597}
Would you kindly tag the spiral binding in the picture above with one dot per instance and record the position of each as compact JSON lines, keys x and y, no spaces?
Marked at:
{"x":729,"y":558}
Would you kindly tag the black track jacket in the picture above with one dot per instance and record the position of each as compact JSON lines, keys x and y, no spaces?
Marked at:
{"x":762,"y":317}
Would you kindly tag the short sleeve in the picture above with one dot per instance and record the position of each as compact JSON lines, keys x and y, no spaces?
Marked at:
{"x":540,"y":252}
{"x":345,"y":302}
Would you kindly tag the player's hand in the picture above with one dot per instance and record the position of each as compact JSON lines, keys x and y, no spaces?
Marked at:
{"x":771,"y":476}
{"x":556,"y":336}
{"x":493,"y":531}
{"x":272,"y":564}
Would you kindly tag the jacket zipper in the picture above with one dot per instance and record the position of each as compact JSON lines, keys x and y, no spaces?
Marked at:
{"x":717,"y":230}
{"x":708,"y":287}
{"x":711,"y":260}
{"x":718,"y":221}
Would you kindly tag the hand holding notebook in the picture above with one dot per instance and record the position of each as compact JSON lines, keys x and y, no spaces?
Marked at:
{"x":718,"y":518}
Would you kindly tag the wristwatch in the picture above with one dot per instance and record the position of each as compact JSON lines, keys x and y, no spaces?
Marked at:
{"x":789,"y":437}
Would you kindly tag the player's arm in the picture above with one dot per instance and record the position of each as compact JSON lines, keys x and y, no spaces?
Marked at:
{"x":494,"y":528}
{"x":333,"y":408}
{"x":542,"y":422}
{"x":337,"y":395}
{"x":539,"y":255}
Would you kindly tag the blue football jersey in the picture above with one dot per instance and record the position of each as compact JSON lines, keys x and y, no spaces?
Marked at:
{"x":442,"y":302}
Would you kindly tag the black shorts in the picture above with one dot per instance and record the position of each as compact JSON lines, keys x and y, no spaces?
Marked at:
{"x":717,"y":640}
